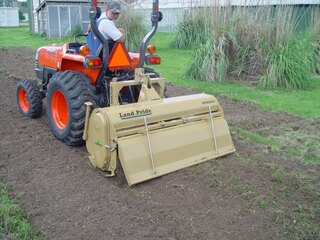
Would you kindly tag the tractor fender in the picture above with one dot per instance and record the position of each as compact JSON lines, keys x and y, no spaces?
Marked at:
{"x":74,"y":62}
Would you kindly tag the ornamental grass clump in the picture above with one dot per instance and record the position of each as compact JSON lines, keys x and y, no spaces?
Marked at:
{"x":315,"y":43}
{"x":211,"y":58}
{"x":290,"y":65}
{"x":193,"y":30}
{"x":135,"y":29}
{"x":288,"y":52}
{"x":262,"y":44}
{"x":201,"y":63}
{"x":210,"y":62}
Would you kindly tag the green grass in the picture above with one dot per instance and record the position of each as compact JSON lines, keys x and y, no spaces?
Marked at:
{"x":300,"y":144}
{"x":300,"y":223}
{"x":287,"y":188}
{"x":13,"y":222}
{"x":297,"y":144}
{"x":21,"y":37}
{"x":257,"y":138}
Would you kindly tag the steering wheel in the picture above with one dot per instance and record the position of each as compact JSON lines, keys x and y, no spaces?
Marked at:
{"x":79,"y":35}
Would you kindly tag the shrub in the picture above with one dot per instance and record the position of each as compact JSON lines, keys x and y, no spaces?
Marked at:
{"x":315,"y":42}
{"x":193,"y":31}
{"x":21,"y":16}
{"x":260,"y":43}
{"x":210,"y":62}
{"x":289,"y":65}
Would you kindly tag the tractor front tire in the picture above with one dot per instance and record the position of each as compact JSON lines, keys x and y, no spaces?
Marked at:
{"x":29,"y":98}
{"x":66,"y":94}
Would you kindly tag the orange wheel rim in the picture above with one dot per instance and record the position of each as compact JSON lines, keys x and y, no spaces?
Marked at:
{"x":23,"y":101}
{"x":59,"y":108}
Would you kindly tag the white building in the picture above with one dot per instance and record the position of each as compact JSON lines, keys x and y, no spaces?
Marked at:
{"x":9,"y":17}
{"x":164,"y":4}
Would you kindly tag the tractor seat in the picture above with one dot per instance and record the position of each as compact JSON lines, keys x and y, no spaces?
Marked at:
{"x":99,"y":50}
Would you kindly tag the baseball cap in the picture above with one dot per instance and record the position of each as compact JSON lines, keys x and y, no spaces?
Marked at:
{"x":114,"y":7}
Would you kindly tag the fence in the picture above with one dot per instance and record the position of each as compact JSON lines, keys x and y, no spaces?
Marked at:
{"x":171,"y":18}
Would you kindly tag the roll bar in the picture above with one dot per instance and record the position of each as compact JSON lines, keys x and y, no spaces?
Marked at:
{"x":156,"y":16}
{"x":105,"y":47}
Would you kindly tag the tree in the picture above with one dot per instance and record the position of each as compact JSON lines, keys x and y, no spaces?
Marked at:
{"x":21,"y":16}
{"x":6,"y":3}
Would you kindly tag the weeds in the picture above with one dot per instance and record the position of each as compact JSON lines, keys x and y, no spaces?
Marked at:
{"x":273,"y":143}
{"x":209,"y":171}
{"x":278,"y":174}
{"x":300,"y":144}
{"x":263,"y":201}
{"x":301,"y":223}
{"x":245,"y":191}
{"x":13,"y":222}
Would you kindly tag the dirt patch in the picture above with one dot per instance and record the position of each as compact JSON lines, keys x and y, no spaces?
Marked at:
{"x":227,"y":198}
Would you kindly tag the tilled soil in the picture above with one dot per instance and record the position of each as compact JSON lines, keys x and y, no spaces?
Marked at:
{"x":66,"y":198}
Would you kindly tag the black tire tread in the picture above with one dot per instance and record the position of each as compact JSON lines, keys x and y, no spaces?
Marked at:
{"x":79,"y":90}
{"x":34,"y":98}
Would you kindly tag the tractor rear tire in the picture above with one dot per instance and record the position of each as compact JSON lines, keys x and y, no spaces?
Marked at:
{"x":66,"y":94}
{"x":29,"y":98}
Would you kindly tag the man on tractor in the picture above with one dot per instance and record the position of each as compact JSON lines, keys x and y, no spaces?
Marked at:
{"x":107,"y":26}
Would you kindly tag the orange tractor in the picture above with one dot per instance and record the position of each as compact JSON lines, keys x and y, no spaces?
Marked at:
{"x":70,"y":77}
{"x":115,"y":105}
